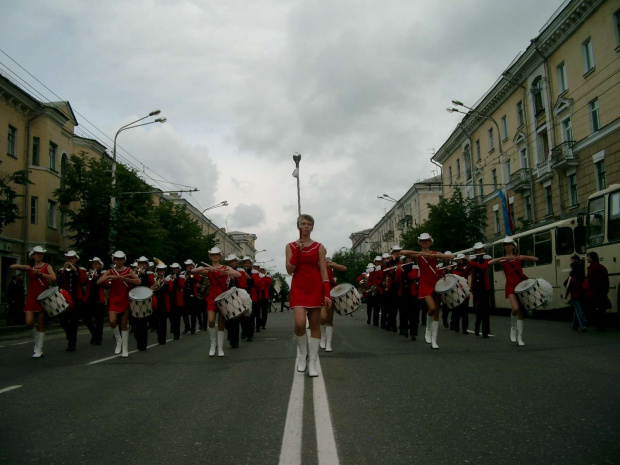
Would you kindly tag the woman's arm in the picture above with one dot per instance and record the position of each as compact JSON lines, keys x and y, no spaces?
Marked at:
{"x":526,"y":258}
{"x":337,"y":267}
{"x":131,"y":278}
{"x":290,"y":268}
{"x":104,"y":277}
{"x":50,"y":275}
{"x":324,"y":276}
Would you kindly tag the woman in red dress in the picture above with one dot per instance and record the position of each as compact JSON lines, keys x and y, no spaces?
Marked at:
{"x":40,"y":275}
{"x":305,"y":260}
{"x":513,"y":270}
{"x":218,"y":275}
{"x":118,"y":279}
{"x":429,"y":275}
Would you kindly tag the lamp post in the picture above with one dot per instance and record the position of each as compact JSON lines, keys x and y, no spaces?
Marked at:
{"x":113,"y":203}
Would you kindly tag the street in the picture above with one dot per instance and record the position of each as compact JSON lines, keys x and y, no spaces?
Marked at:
{"x":380,"y":399}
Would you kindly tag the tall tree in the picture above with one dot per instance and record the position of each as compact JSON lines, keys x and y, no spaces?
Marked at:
{"x":9,"y":211}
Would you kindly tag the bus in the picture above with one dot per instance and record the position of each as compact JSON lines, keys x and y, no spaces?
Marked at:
{"x":603,"y":235}
{"x":553,"y":244}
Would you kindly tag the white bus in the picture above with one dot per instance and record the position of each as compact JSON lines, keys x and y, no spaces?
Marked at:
{"x":553,"y":244}
{"x":603,"y":235}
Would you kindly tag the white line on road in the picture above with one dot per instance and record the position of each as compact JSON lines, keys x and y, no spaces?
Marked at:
{"x":94,"y":362}
{"x":10,"y":388}
{"x":20,"y":343}
{"x":325,"y":439}
{"x":290,"y":453}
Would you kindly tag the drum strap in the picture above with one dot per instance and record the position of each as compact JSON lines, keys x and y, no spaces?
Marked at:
{"x":518,"y":271}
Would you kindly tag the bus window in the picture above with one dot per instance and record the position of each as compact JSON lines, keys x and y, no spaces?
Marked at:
{"x":564,"y":244}
{"x":543,"y":248}
{"x":613,"y":229}
{"x":498,"y":251}
{"x":526,"y":247}
{"x":580,"y":239}
{"x":596,"y":221}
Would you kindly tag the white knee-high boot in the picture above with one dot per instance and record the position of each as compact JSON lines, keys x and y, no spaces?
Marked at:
{"x":313,"y":355}
{"x":213,"y":337}
{"x":329,"y":333}
{"x":323,"y":336}
{"x":39,"y":339}
{"x":520,"y":342}
{"x":302,"y":352}
{"x":427,"y":334}
{"x":221,"y":335}
{"x":35,"y":337}
{"x":116,"y":332}
{"x":124,"y":344}
{"x":434,"y":332}
{"x":513,"y":328}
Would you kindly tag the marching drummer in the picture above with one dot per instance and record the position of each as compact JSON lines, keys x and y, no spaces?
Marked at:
{"x":218,"y":275}
{"x":233,"y":325}
{"x":459,"y":313}
{"x":40,"y":275}
{"x":327,"y":313}
{"x":161,"y":295}
{"x":141,"y":325}
{"x":480,"y":287}
{"x":118,"y":278}
{"x":429,"y":275}
{"x":513,"y":270}
{"x":72,"y":279}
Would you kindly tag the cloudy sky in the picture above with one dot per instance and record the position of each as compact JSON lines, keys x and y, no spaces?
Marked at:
{"x":358,"y":87}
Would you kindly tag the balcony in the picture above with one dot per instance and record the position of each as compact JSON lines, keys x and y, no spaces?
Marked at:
{"x":563,"y":157}
{"x":544,"y":171}
{"x":520,"y":180}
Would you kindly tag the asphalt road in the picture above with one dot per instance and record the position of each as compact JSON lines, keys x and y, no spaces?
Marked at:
{"x":386,"y":399}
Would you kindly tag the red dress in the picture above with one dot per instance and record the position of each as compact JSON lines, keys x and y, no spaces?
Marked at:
{"x":36,"y":285}
{"x":118,"y":300}
{"x":218,"y":286}
{"x":307,"y":284}
{"x":514,"y":275}
{"x":429,"y":275}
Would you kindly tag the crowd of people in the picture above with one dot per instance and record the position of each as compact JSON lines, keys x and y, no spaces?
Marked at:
{"x":167,"y":295}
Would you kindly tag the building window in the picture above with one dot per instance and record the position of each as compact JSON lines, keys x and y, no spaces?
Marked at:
{"x":34,"y":210}
{"x":494,"y":177}
{"x":567,"y":130}
{"x":537,"y":93}
{"x":520,"y":115}
{"x":595,"y":118}
{"x":528,"y":207}
{"x":504,"y":128}
{"x":548,"y":200}
{"x":562,"y":81}
{"x":481,"y":187}
{"x":508,"y":168}
{"x":52,"y":154}
{"x":496,"y":221}
{"x":51,"y":214}
{"x":572,"y":189}
{"x":588,"y":55}
{"x":458,"y":169}
{"x":449,"y":175}
{"x":36,"y":151}
{"x":617,"y":26}
{"x":525,"y":160}
{"x":599,"y":174}
{"x":478,"y":150}
{"x":491,"y":145}
{"x":11,"y":146}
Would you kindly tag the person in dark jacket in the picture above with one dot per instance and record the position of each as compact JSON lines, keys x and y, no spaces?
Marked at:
{"x":574,"y":289}
{"x":15,"y":296}
{"x":596,"y":288}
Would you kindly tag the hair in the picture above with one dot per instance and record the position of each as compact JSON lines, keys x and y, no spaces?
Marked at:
{"x":306,"y":217}
{"x":593,"y":256}
{"x":577,"y":269}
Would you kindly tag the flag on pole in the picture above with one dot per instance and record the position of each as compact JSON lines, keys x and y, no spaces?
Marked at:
{"x":506,"y":211}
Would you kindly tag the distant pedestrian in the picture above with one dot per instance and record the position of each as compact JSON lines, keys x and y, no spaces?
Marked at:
{"x":15,"y":296}
{"x":574,"y":289}
{"x":283,"y":297}
{"x":597,"y":287}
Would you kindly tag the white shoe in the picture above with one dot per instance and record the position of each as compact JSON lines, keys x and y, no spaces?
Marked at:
{"x":38,"y":346}
{"x":213,"y":337}
{"x":313,"y":355}
{"x":434,"y":331}
{"x":221,"y":335}
{"x":520,"y":342}
{"x":329,"y":333}
{"x":513,"y":328}
{"x":124,"y":344}
{"x":323,"y":334}
{"x":302,"y":352}
{"x":427,"y":334}
{"x":117,"y":337}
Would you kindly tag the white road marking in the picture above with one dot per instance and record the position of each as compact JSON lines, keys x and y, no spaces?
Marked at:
{"x":21,"y":343}
{"x":290,"y":453}
{"x":325,"y":439}
{"x":94,"y":362}
{"x":10,"y":388}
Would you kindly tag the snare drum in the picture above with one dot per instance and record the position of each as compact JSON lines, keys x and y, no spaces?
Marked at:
{"x":529,"y":293}
{"x":452,"y":290}
{"x":141,"y":302}
{"x":345,"y":298}
{"x":231,"y":304}
{"x":55,"y":301}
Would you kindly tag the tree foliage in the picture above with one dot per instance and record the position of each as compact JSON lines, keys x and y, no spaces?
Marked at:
{"x":354,"y":261}
{"x":454,"y":223}
{"x":9,"y":211}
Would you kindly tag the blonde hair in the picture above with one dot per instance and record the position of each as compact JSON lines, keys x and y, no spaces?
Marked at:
{"x":306,"y":217}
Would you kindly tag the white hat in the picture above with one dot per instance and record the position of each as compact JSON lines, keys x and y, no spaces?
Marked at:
{"x":386,"y":255}
{"x":119,"y":254}
{"x":189,"y":261}
{"x":247,"y":258}
{"x":37,"y":249}
{"x":175,"y":265}
{"x":134,"y":265}
{"x":396,"y":247}
{"x":478,"y":245}
{"x":509,"y":240}
{"x":369,"y":269}
{"x":425,"y":237}
{"x":232,"y":257}
{"x":72,"y":253}
{"x":215,"y":251}
{"x":460,"y":256}
{"x":370,"y":265}
{"x":151,"y":263}
{"x":161,"y":266}
{"x":378,"y":258}
{"x":143,"y":259}
{"x":447,"y":252}
{"x":97,"y":259}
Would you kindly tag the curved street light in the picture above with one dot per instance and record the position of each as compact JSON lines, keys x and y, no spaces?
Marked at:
{"x":217,"y":205}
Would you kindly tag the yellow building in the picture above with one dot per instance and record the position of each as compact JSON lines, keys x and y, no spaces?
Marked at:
{"x":547,"y":132}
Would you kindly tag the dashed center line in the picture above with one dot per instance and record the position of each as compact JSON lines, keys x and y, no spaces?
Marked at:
{"x":94,"y":362}
{"x":10,"y":388}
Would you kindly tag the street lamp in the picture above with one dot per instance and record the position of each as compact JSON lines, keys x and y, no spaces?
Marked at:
{"x":256,"y":253}
{"x":217,"y":205}
{"x":113,"y":204}
{"x":397,"y":202}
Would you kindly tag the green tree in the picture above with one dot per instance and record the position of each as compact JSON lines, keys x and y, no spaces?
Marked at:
{"x":9,"y":211}
{"x":354,"y":261}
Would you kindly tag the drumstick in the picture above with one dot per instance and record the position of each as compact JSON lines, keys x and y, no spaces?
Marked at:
{"x":114,"y":269}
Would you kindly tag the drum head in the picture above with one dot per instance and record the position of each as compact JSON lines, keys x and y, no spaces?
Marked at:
{"x":524,"y":285}
{"x":225,"y":294}
{"x":445,"y":284}
{"x":140,"y":293}
{"x":47,"y":292}
{"x":340,"y":289}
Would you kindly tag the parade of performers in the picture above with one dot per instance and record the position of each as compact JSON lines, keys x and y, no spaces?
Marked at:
{"x":310,"y":291}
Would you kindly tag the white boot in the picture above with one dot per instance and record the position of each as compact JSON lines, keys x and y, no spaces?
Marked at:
{"x":35,"y":337}
{"x":427,"y":334}
{"x":313,"y":354}
{"x":434,"y":331}
{"x":302,"y":352}
{"x":513,"y":328}
{"x":221,"y":335}
{"x":124,"y":344}
{"x":117,"y":337}
{"x":520,"y":342}
{"x":323,"y":334}
{"x":38,"y":346}
{"x":213,"y":338}
{"x":328,"y":338}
